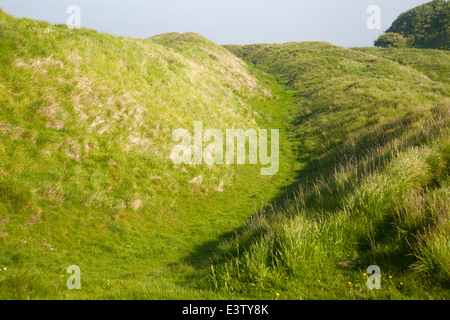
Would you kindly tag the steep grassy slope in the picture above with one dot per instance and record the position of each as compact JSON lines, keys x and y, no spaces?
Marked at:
{"x":85,"y":172}
{"x":373,"y":144}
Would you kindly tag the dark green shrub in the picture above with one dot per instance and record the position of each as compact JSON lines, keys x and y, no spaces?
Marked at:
{"x":391,"y":40}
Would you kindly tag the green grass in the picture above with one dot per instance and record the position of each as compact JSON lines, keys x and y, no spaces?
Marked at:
{"x":373,"y":188}
{"x":86,"y":178}
{"x":85,"y":171}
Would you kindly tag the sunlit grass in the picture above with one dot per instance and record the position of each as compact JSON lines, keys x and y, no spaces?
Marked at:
{"x":373,"y":136}
{"x":85,"y":172}
{"x":85,"y":176}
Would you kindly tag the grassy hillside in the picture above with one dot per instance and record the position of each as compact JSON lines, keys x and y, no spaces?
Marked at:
{"x":432,"y":63}
{"x":86,"y":177}
{"x":373,"y":142}
{"x":85,"y":172}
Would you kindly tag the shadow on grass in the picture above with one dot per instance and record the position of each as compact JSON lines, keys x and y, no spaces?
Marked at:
{"x":369,"y":152}
{"x":367,"y":145}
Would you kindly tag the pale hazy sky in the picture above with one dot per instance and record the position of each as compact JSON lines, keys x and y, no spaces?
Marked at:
{"x":340,"y":22}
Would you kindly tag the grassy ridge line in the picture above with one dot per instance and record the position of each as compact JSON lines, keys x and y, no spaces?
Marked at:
{"x":342,"y":91}
{"x":433,"y":63}
{"x":85,"y":174}
{"x":374,"y":184}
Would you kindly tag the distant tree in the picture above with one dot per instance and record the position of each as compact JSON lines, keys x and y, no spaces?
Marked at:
{"x":391,"y":40}
{"x":426,"y":26}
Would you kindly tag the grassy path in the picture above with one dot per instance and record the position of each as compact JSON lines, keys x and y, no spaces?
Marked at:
{"x":209,"y":220}
{"x":85,"y":172}
{"x":162,"y":253}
